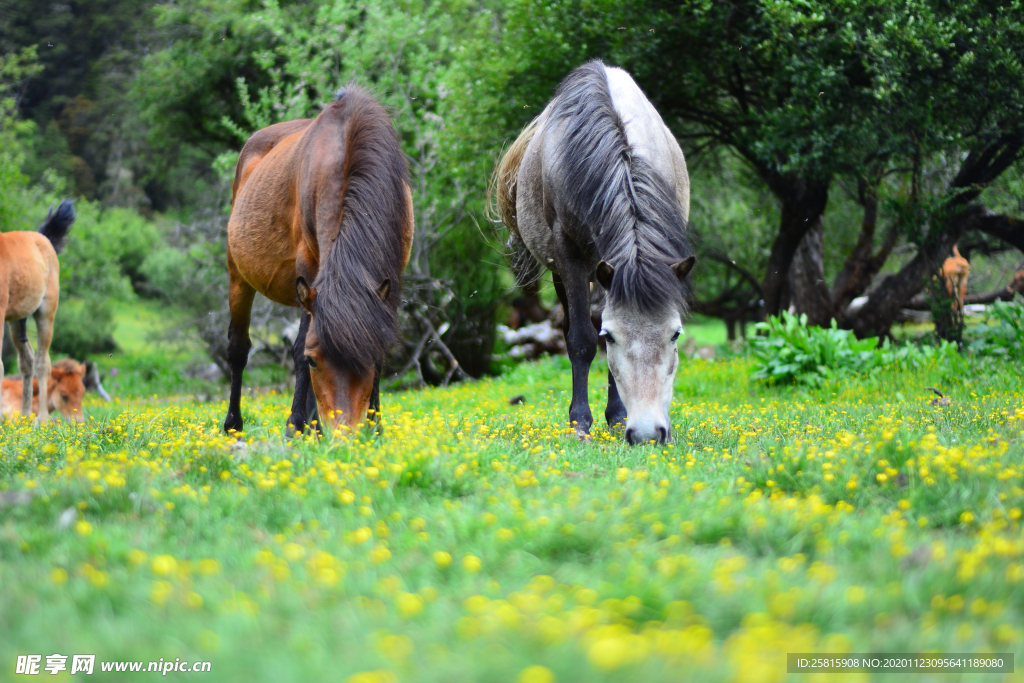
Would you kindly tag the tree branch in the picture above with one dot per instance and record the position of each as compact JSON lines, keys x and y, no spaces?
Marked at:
{"x":919,"y":303}
{"x":743,"y":272}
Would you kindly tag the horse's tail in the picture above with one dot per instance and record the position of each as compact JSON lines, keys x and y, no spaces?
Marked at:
{"x":501,"y":205}
{"x":501,"y":192}
{"x":55,"y":227}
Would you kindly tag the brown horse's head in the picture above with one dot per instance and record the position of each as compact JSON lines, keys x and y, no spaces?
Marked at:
{"x":342,"y":384}
{"x":66,"y":389}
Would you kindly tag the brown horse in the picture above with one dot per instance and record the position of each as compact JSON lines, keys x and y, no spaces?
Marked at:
{"x":64,"y":391}
{"x":321,"y":217}
{"x":30,"y":285}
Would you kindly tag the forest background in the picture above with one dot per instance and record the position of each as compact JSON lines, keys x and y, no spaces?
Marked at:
{"x":836,"y":149}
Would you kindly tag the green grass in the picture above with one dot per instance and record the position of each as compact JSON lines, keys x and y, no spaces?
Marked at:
{"x":474,"y":539}
{"x":139,"y":326}
{"x":705,"y":331}
{"x":158,"y":356}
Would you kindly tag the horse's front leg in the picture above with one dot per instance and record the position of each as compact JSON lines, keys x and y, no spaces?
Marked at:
{"x":240,"y":298}
{"x":300,"y":415}
{"x":572,"y":284}
{"x":615,"y":412}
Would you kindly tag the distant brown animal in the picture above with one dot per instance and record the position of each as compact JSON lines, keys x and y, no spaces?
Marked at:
{"x":322,"y":218}
{"x":1016,"y":284}
{"x":30,"y":285}
{"x":955,"y":271}
{"x":64,"y":392}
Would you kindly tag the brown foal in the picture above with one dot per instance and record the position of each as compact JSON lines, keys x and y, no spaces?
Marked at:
{"x":30,"y":286}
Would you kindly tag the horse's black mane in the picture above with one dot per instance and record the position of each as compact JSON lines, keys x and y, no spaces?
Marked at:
{"x":632,"y":215}
{"x":353,"y":324}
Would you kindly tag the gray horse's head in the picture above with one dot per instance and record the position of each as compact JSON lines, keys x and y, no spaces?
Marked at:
{"x":643,"y":357}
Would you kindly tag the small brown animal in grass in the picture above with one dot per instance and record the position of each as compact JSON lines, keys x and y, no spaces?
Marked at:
{"x":955,"y":271}
{"x":64,"y":392}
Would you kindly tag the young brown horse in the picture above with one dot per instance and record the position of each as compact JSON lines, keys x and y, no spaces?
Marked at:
{"x":30,"y":285}
{"x":64,"y":391}
{"x":321,"y":217}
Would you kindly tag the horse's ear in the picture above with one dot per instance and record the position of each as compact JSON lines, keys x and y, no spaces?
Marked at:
{"x":683,"y":268}
{"x":605,"y":272}
{"x":385,"y":289}
{"x":305,"y":294}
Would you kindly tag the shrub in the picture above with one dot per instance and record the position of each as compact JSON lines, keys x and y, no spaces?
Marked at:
{"x":105,"y":251}
{"x":1002,"y":333}
{"x":788,"y":350}
{"x":83,"y":326}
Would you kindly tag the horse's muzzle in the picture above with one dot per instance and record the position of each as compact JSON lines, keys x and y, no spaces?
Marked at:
{"x":659,"y":434}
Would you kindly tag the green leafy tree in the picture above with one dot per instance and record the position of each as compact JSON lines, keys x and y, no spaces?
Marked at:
{"x":917,"y":104}
{"x":15,"y":199}
{"x":403,"y":52}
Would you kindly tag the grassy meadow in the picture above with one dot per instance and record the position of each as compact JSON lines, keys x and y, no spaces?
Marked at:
{"x":475,"y":540}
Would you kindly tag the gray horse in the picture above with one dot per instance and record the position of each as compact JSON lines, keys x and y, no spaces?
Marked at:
{"x":595,"y":188}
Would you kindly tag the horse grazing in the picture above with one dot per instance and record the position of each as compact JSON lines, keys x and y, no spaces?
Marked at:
{"x":64,"y":391}
{"x":955,"y":271}
{"x":321,"y":218}
{"x":30,"y":285}
{"x":596,"y":188}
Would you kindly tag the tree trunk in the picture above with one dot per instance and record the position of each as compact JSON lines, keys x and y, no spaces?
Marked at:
{"x":807,"y":277}
{"x":803,"y":204}
{"x":861,"y":265}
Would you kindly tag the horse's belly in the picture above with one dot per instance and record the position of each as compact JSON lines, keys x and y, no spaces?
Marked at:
{"x":266,"y":260}
{"x":262,"y":243}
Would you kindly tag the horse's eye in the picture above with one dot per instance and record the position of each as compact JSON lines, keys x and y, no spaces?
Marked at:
{"x":311,"y":361}
{"x":676,"y":335}
{"x":607,"y":336}
{"x":65,"y":396}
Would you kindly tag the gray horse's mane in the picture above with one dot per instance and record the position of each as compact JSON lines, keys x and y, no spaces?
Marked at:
{"x":625,"y":209}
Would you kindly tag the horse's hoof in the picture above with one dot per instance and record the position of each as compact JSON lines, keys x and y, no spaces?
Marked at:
{"x":293,"y":428}
{"x":583,"y":435}
{"x":617,"y":424}
{"x":615,"y":414}
{"x":233,"y":423}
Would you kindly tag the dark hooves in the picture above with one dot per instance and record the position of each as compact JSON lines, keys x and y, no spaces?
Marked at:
{"x":616,"y":420}
{"x":233,"y":422}
{"x":295,"y":425}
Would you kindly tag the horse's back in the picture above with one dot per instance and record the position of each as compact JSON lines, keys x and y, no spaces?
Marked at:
{"x":542,"y":173}
{"x":32,"y":269}
{"x":259,"y":145}
{"x":648,"y":135}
